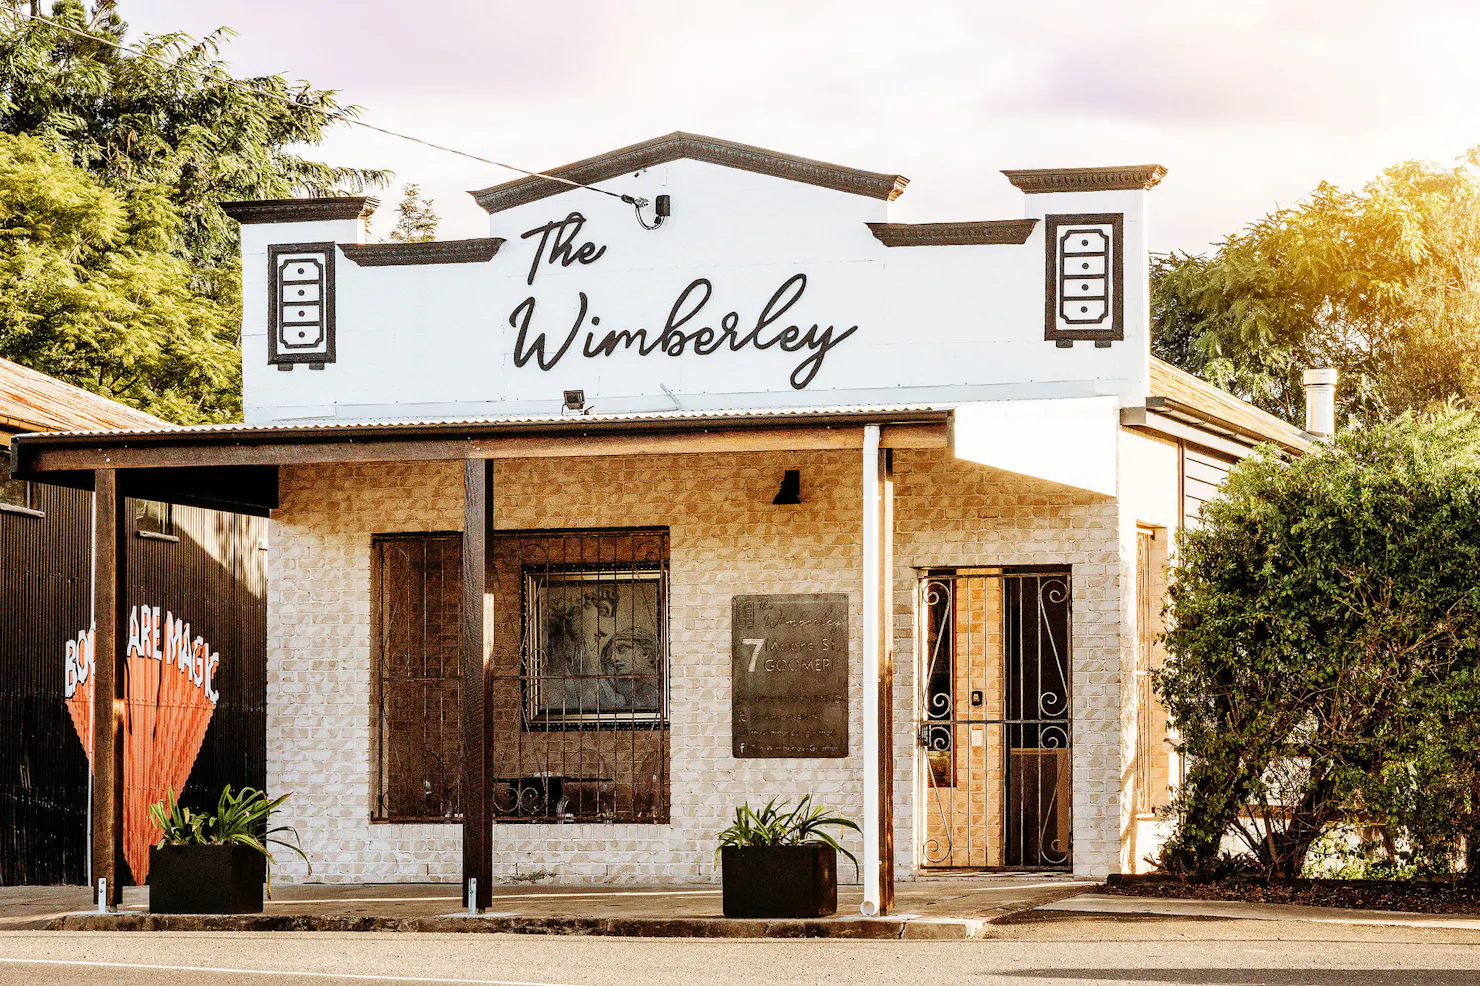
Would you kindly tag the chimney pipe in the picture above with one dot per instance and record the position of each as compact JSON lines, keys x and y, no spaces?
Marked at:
{"x":1320,"y":401}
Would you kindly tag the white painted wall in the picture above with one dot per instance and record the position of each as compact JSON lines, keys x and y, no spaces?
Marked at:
{"x":1070,"y":441}
{"x":1149,"y":488}
{"x":934,"y":324}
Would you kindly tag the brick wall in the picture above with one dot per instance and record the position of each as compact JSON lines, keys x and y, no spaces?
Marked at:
{"x":726,"y":539}
{"x":955,"y":514}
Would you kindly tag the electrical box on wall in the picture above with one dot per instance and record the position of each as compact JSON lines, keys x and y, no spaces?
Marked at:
{"x":301,"y":304}
{"x":1085,"y":277}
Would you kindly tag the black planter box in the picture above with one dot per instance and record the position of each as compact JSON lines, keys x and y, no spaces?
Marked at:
{"x":779,"y":881}
{"x":206,"y":880}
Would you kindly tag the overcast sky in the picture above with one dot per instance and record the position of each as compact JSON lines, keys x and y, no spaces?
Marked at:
{"x":1249,"y":104}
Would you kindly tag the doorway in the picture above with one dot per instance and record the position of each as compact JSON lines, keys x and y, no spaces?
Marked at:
{"x":993,"y":724}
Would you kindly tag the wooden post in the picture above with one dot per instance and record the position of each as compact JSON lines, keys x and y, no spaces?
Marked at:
{"x":477,"y":833}
{"x":878,"y":675}
{"x":110,"y":637}
{"x":886,"y":683}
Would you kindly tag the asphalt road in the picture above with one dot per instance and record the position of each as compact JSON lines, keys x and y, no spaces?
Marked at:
{"x":1218,"y":953}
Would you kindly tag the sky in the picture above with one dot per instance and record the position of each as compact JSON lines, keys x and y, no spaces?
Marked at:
{"x":1249,"y":104}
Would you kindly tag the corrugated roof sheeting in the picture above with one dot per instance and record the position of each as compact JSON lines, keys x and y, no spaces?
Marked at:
{"x":32,"y":401}
{"x":572,"y":421}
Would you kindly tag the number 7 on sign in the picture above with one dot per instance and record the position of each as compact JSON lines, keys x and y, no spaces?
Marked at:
{"x":757,"y":643}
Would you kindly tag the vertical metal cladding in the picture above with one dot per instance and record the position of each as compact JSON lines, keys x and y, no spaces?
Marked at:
{"x":215,"y":578}
{"x":212,"y":574}
{"x":45,"y":568}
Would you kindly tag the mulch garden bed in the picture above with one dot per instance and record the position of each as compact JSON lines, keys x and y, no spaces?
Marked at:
{"x":1377,"y":895}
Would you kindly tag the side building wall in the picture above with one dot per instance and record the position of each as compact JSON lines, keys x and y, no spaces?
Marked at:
{"x":726,"y":539}
{"x":210,"y":572}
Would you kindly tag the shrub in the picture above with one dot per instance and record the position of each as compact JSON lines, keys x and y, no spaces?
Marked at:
{"x":1322,"y":652}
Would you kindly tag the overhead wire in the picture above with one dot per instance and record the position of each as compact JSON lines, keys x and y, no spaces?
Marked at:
{"x":340,"y":116}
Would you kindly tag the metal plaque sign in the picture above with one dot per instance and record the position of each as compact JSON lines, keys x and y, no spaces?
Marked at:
{"x":789,"y":675}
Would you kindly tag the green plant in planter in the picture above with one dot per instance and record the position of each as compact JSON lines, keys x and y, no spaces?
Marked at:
{"x":781,"y":825}
{"x":241,"y":819}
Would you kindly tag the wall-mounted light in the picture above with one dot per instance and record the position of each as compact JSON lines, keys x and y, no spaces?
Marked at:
{"x":575,"y":400}
{"x":662,"y":209}
{"x":791,"y":488}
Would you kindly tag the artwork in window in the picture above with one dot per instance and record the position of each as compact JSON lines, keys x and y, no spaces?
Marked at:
{"x":595,"y":646}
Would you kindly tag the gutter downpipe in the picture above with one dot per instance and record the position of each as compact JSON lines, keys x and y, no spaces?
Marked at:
{"x":871,"y":670}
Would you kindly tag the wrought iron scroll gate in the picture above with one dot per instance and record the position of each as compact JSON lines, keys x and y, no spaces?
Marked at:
{"x":993,"y":727}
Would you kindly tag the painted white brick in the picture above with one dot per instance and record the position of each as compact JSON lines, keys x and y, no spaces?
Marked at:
{"x":726,"y":539}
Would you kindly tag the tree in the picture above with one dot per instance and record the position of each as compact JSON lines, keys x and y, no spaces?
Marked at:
{"x":92,"y":292}
{"x":172,"y":116}
{"x":1324,"y":651}
{"x":417,"y":222}
{"x":1383,"y":284}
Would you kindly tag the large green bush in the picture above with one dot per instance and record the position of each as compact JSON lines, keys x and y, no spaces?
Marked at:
{"x":1322,"y":653}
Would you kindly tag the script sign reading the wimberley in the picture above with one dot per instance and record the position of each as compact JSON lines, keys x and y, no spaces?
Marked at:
{"x":789,"y":674}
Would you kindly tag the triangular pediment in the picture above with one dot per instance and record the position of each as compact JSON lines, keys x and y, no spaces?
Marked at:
{"x":694,"y":147}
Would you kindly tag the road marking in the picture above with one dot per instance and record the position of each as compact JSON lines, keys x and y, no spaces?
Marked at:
{"x":1035,"y":886}
{"x":558,"y":895}
{"x":362,"y":976}
{"x":353,"y":900}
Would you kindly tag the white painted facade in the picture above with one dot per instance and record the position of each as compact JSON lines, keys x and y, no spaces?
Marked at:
{"x":933,"y":324}
{"x":1040,"y":472}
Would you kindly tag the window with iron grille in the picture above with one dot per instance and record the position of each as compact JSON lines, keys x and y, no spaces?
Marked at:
{"x":579,"y":676}
{"x":417,"y":606}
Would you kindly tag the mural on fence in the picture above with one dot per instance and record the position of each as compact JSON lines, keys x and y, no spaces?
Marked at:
{"x":169,"y":698}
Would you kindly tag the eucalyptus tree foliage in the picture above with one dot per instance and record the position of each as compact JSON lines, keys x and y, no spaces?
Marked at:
{"x":1324,"y":653}
{"x":173,"y":117}
{"x":93,"y":292}
{"x":1383,"y":284}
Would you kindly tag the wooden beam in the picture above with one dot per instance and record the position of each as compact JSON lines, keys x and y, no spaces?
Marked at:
{"x":110,"y":636}
{"x":671,"y":443}
{"x":933,"y":435}
{"x":476,"y":613}
{"x":258,"y":454}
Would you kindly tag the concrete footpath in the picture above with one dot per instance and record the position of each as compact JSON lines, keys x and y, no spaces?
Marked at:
{"x":955,"y":908}
{"x":1119,"y":905}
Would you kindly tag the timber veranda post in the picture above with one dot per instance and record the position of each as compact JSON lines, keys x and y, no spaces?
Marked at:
{"x":109,"y":635}
{"x":477,"y":647}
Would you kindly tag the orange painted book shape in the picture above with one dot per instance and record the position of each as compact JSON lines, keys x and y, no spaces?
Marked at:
{"x":169,"y":699}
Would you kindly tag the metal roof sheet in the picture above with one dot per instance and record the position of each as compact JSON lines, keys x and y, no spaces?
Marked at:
{"x":32,"y":401}
{"x":573,"y":421}
{"x":1180,"y":386}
